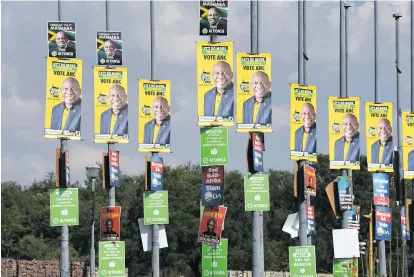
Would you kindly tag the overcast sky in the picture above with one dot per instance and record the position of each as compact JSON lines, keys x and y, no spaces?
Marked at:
{"x":27,"y":155}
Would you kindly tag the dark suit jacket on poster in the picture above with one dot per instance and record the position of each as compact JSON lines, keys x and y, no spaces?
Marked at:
{"x":264,"y":115}
{"x":386,"y":155}
{"x":353,"y":151}
{"x":163,"y":136}
{"x":310,"y":145}
{"x":222,"y":24}
{"x":68,"y":49}
{"x":411,"y":161}
{"x":74,"y":119}
{"x":226,"y":104}
{"x":121,"y":123}
{"x":102,"y":55}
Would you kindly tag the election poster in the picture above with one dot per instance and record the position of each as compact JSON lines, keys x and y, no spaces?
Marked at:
{"x":61,"y":39}
{"x":310,"y":180}
{"x":383,"y":223}
{"x":212,"y":195}
{"x":408,"y":144}
{"x":154,"y":116}
{"x":212,"y":175}
{"x":111,"y":223}
{"x":310,"y":220}
{"x":114,"y":168}
{"x":157,"y":170}
{"x":354,"y":216}
{"x":215,"y":88}
{"x":381,"y":189}
{"x":254,"y":95}
{"x":63,"y":99}
{"x":213,"y":17}
{"x":109,"y":48}
{"x":64,"y":207}
{"x":303,"y":122}
{"x":258,"y":148}
{"x":214,"y":259}
{"x":378,"y":117}
{"x":345,"y":193}
{"x":111,"y":105}
{"x":345,"y":267}
{"x":112,"y":259}
{"x":344,"y":134}
{"x":211,"y":224}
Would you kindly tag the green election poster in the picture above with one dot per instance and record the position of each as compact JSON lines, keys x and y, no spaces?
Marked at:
{"x":64,"y":207}
{"x":214,"y":146}
{"x":156,"y":207}
{"x":214,"y":259}
{"x":345,"y":267}
{"x":302,"y":261}
{"x":112,"y":258}
{"x":256,"y":192}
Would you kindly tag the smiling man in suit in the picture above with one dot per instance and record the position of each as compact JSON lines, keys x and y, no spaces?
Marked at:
{"x":258,"y":108}
{"x":347,"y":147}
{"x":157,"y":131}
{"x":219,"y":101}
{"x":67,"y":114}
{"x":305,"y":136}
{"x":381,"y":150}
{"x":114,"y":120}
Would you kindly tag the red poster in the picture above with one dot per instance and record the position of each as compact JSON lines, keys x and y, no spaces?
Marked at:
{"x":257,"y":143}
{"x":111,"y":223}
{"x":310,"y":180}
{"x":213,"y":175}
{"x":114,"y":158}
{"x":156,"y":166}
{"x":310,"y":212}
{"x":211,"y":225}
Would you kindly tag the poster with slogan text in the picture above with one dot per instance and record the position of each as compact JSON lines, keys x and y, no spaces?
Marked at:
{"x":344,"y":133}
{"x":109,"y":48}
{"x":110,"y":105}
{"x":408,"y":144}
{"x":154,"y":116}
{"x":61,"y":39}
{"x":215,"y":87}
{"x":254,"y":95}
{"x":379,"y":136}
{"x":63,"y":99}
{"x":213,"y":17}
{"x":303,"y":123}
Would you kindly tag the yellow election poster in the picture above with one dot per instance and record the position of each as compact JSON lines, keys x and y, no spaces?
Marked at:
{"x":344,"y":133}
{"x":408,"y":144}
{"x":110,"y":105}
{"x":303,"y":122}
{"x":254,"y":95}
{"x":63,"y":99}
{"x":378,"y":117}
{"x":215,"y":88}
{"x":154,"y":116}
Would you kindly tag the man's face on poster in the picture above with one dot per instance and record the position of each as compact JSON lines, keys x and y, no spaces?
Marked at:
{"x":222,"y":75}
{"x":261,"y":85}
{"x":71,"y":91}
{"x":384,"y":130}
{"x":109,"y":47}
{"x":117,"y":97}
{"x":350,"y":126}
{"x":308,"y":115}
{"x":160,"y":108}
{"x":61,"y":40}
{"x":213,"y":16}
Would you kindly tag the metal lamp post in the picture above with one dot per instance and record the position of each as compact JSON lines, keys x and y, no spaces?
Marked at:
{"x":92,"y":173}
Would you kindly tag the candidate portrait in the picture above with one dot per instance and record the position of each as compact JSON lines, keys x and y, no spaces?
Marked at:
{"x":114,"y":121}
{"x":347,"y":147}
{"x":305,"y":136}
{"x":219,"y":101}
{"x":61,"y":41}
{"x":381,"y":150}
{"x":214,"y":20}
{"x":110,"y":52}
{"x":258,"y":108}
{"x":157,"y":131}
{"x":67,"y":114}
{"x":411,"y":161}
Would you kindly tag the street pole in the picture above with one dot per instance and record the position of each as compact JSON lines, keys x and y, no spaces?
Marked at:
{"x":412,"y":111}
{"x":92,"y":258}
{"x":64,"y":237}
{"x":155,"y":228}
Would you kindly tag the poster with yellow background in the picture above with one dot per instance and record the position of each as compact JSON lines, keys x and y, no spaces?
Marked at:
{"x":154,"y":116}
{"x":63,"y":99}
{"x":110,"y":105}
{"x":254,"y":95}
{"x":344,"y":133}
{"x":303,"y":122}
{"x":215,"y":88}
{"x":378,"y":118}
{"x":408,"y":144}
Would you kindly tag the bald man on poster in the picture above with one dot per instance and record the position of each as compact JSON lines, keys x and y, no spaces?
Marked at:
{"x":258,"y":108}
{"x":114,"y":121}
{"x":305,"y":136}
{"x":382,"y":149}
{"x":157,"y":131}
{"x":347,"y":148}
{"x":219,"y":101}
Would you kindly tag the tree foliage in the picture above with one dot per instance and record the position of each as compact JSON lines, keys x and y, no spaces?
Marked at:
{"x":26,"y":233}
